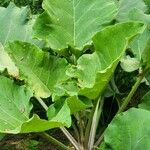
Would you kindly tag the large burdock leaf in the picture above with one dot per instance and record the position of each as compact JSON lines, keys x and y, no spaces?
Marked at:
{"x":14,"y":104}
{"x":73,"y":22}
{"x":15,"y":24}
{"x":129,"y":131}
{"x":15,"y":109}
{"x":6,"y":62}
{"x":93,"y":71}
{"x":44,"y":73}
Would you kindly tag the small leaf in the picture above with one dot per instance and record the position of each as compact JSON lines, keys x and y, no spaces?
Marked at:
{"x":60,"y":111}
{"x":77,"y":104}
{"x":35,"y":124}
{"x":131,"y":127}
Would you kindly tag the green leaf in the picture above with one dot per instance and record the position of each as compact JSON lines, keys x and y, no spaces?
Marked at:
{"x":129,"y":131}
{"x":127,"y":6}
{"x":73,"y":22}
{"x":146,"y":56}
{"x":77,"y":104}
{"x":93,"y":71}
{"x":60,"y":111}
{"x":15,"y":110}
{"x":140,"y":43}
{"x":44,"y":73}
{"x":147,"y":77}
{"x":145,"y":102}
{"x":14,"y":104}
{"x":35,"y":124}
{"x":57,"y":117}
{"x":6,"y":62}
{"x":69,"y":87}
{"x":139,"y":15}
{"x":102,"y":146}
{"x":136,"y":11}
{"x":15,"y":24}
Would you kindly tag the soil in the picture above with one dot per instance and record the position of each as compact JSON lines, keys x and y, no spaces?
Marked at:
{"x":30,"y":142}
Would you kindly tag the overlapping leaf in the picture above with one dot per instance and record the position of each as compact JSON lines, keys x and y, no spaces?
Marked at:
{"x":131,"y":127}
{"x":44,"y":73}
{"x":93,"y":71}
{"x":77,"y":104}
{"x":15,"y":24}
{"x":73,"y":22}
{"x":14,"y":105}
{"x":15,"y":110}
{"x":140,"y":43}
{"x":136,"y":11}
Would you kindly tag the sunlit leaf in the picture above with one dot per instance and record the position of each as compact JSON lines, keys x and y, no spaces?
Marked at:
{"x":73,"y":22}
{"x":44,"y":73}
{"x":16,"y":24}
{"x":94,"y":71}
{"x":129,"y":131}
{"x":15,"y":107}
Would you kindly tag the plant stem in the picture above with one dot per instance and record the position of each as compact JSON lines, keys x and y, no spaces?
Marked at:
{"x":68,"y":135}
{"x":88,"y":127}
{"x":93,"y":127}
{"x":80,"y":125}
{"x":132,"y":92}
{"x":76,"y":132}
{"x":98,"y":142}
{"x":95,"y":121}
{"x":125,"y":103}
{"x":71,"y":138}
{"x":54,"y":141}
{"x":42,"y":103}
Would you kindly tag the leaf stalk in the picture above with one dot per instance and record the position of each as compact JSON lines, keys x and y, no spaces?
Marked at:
{"x":54,"y":141}
{"x":131,"y":94}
